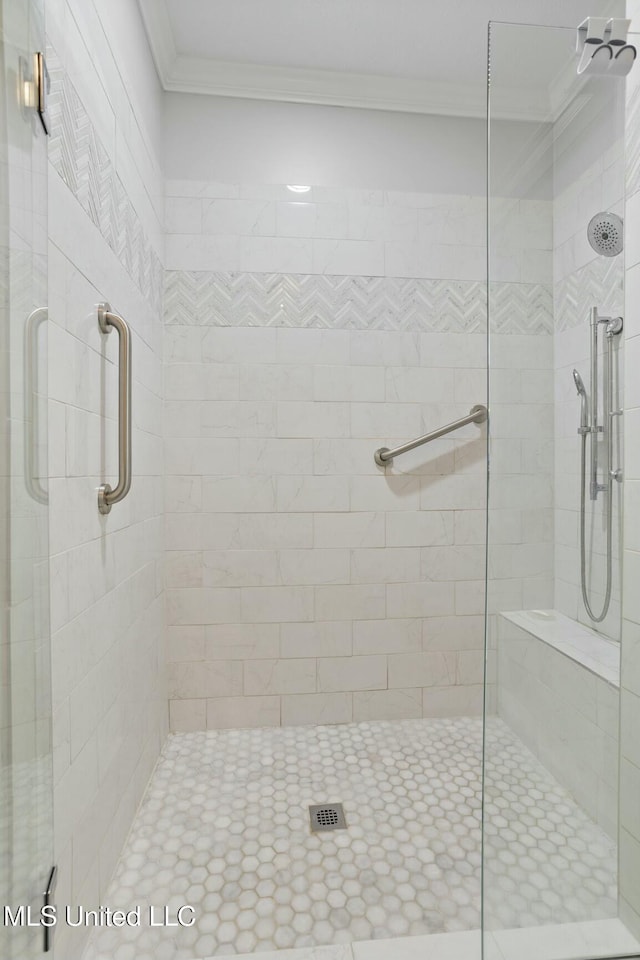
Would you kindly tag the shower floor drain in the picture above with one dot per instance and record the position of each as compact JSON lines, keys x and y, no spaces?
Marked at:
{"x":327,"y":816}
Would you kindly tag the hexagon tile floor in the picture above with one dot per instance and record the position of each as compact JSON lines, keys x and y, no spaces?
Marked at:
{"x":224,"y":827}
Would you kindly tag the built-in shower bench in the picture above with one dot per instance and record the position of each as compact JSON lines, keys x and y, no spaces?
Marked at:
{"x":596,"y":653}
{"x":557,"y":687}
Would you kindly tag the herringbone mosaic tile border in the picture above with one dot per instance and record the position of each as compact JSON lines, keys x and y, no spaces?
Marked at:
{"x":359,"y":303}
{"x":79,"y":157}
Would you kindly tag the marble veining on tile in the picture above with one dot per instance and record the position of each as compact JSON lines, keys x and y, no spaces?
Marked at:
{"x":79,"y":157}
{"x":598,"y":654}
{"x":201,"y":298}
{"x":224,"y":827}
{"x":600,"y":283}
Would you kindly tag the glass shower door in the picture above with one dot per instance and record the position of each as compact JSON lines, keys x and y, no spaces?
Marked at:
{"x":552,"y":887}
{"x":26,"y":833}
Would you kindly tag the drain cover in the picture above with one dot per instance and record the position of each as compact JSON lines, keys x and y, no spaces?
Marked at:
{"x":327,"y":816}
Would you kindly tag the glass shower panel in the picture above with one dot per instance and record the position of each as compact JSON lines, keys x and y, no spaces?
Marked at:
{"x":26,"y":833}
{"x":555,"y":162}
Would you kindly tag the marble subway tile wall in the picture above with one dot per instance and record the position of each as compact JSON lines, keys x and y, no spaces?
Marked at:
{"x":629,"y":841}
{"x":304,"y":584}
{"x":567,"y":715}
{"x":582,"y":279}
{"x":520,"y":505}
{"x":106,"y":243}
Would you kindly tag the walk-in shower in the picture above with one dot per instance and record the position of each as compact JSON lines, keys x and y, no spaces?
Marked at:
{"x":603,"y":472}
{"x":316,"y":688}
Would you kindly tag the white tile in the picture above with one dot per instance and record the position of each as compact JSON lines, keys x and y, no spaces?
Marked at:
{"x":313,"y":420}
{"x":239,"y":712}
{"x":274,"y":255}
{"x":348,"y":383}
{"x":319,"y":639}
{"x":419,"y":528}
{"x":196,"y":252}
{"x":348,"y":530}
{"x":384,"y":348}
{"x":272,"y":604}
{"x":313,"y":494}
{"x":385,"y":565}
{"x":348,"y":257}
{"x":314,"y":566}
{"x":386,"y":704}
{"x":350,"y":601}
{"x":420,"y":599}
{"x":275,"y":456}
{"x":352,"y":673}
{"x":271,"y":382}
{"x":206,"y":605}
{"x":238,"y":345}
{"x":381,"y":755}
{"x":239,"y":568}
{"x":183,"y":215}
{"x":444,"y":946}
{"x":456,"y":701}
{"x":192,"y":681}
{"x":199,"y":188}
{"x":387,"y":636}
{"x":250,"y":218}
{"x":341,"y":952}
{"x":566,"y":941}
{"x":317,"y":708}
{"x":344,"y":457}
{"x":415,"y":385}
{"x":243,"y":418}
{"x":300,"y":346}
{"x":186,"y":643}
{"x":238,"y":494}
{"x":279,"y":676}
{"x":239,"y":641}
{"x":315,"y":220}
{"x":421,"y":670}
{"x":187,"y":715}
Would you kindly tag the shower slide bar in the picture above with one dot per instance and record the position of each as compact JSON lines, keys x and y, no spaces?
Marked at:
{"x":477,"y":414}
{"x":107,"y":495}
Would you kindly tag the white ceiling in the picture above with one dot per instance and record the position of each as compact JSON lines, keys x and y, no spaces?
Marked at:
{"x":419,"y":55}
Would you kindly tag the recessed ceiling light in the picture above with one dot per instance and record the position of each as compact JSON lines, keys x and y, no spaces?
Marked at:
{"x":298,"y":188}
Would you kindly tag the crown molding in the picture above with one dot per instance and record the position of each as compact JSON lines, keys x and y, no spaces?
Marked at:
{"x":300,"y":85}
{"x":254,"y":81}
{"x":155,"y":17}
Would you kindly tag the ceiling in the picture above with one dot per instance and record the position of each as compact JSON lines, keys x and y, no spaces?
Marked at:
{"x":425,"y":56}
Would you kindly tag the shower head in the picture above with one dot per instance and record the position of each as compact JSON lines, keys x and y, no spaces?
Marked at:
{"x":605,"y":234}
{"x":577,"y":379}
{"x":584,"y":411}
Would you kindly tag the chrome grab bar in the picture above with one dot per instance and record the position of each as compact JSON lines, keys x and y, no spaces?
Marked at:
{"x":32,"y":402}
{"x":106,"y":495}
{"x":477,"y":414}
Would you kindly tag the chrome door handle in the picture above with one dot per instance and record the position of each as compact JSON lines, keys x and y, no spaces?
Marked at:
{"x":106,"y":495}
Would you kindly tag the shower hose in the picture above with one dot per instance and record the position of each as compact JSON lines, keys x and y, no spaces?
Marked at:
{"x":597,"y":618}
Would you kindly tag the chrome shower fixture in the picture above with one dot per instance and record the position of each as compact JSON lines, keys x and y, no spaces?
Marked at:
{"x":606,"y":234}
{"x":577,"y":379}
{"x":584,"y":403}
{"x":590,"y":427}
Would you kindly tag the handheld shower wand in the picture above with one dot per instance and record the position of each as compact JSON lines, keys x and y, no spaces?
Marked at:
{"x":584,"y":403}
